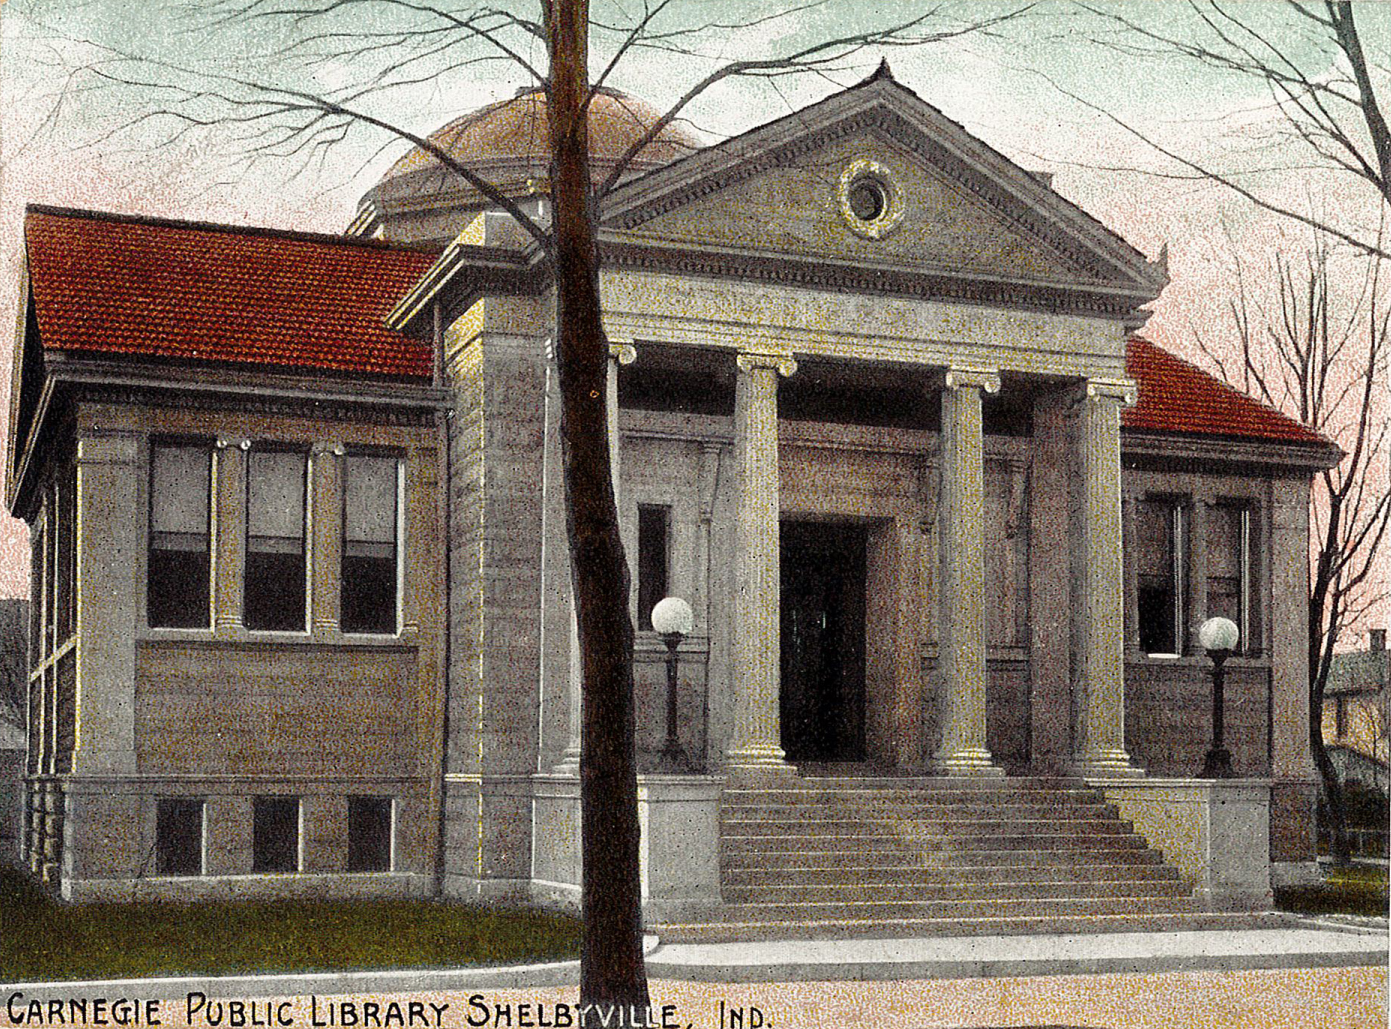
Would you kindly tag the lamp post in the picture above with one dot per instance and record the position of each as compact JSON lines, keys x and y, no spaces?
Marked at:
{"x":672,"y":619}
{"x":1219,"y":637}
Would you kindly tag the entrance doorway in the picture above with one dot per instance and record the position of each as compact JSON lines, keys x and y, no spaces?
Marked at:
{"x":823,"y":640}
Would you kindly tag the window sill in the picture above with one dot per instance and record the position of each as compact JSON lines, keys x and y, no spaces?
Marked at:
{"x":1195,"y":660}
{"x":257,"y":637}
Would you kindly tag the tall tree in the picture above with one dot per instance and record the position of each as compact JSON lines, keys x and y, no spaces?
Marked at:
{"x":285,"y":120}
{"x":1326,"y":359}
{"x":1327,"y":97}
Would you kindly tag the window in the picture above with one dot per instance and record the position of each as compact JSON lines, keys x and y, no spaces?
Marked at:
{"x":369,"y":834}
{"x":179,"y":836}
{"x":275,"y":834}
{"x":177,"y":573}
{"x":275,"y":566}
{"x":1229,"y":592}
{"x":371,"y":520}
{"x":1160,"y":557}
{"x":653,"y":556}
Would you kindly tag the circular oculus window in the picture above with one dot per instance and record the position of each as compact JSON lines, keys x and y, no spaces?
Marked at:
{"x":870,"y":202}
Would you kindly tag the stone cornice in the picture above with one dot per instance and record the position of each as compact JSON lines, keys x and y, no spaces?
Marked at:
{"x":99,"y":380}
{"x":858,"y":277}
{"x":1145,"y":449}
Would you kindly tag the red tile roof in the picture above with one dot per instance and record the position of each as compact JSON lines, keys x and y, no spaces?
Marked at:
{"x":117,"y":285}
{"x":1176,"y":396}
{"x":109,"y":284}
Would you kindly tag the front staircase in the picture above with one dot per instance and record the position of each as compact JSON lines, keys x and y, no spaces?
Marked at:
{"x":874,"y":856}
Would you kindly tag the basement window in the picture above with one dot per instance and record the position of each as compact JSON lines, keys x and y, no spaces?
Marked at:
{"x":275,"y":832}
{"x":370,"y":826}
{"x":178,"y":566}
{"x":371,"y":536}
{"x":275,"y":567}
{"x":179,"y":836}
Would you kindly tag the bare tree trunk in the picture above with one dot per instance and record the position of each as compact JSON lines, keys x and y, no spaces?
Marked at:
{"x":1320,"y":660}
{"x":611,"y":965}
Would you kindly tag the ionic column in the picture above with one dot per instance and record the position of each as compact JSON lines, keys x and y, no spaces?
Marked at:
{"x":229,"y":532}
{"x":1098,"y":608}
{"x":619,"y":354}
{"x":755,"y":744}
{"x":961,"y":592}
{"x":326,"y":520}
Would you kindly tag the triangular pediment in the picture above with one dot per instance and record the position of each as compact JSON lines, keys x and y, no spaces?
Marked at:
{"x":954,"y":206}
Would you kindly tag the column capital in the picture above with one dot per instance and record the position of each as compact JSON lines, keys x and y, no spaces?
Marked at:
{"x":240,"y":443}
{"x":321,"y":448}
{"x":1125,"y":392}
{"x":977,"y":378}
{"x":623,"y":353}
{"x":748,"y":360}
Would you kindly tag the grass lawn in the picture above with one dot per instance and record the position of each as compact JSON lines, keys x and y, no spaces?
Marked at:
{"x":43,"y":939}
{"x":1359,"y":889}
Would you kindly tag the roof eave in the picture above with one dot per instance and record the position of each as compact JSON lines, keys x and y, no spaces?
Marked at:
{"x":1153,"y":444}
{"x":467,"y":269}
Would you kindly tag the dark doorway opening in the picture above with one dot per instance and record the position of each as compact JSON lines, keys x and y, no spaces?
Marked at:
{"x":823,"y":641}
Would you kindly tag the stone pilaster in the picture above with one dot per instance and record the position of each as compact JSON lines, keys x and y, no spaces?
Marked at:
{"x":1098,"y":578}
{"x":110,"y":534}
{"x":1132,"y":579}
{"x":961,"y":592}
{"x":755,"y":744}
{"x":1050,"y":579}
{"x":326,"y":521}
{"x":229,"y":532}
{"x":619,"y":354}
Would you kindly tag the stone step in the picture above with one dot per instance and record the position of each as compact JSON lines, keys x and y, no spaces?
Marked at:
{"x":943,"y":795}
{"x":903,"y":853}
{"x":925,"y":828}
{"x":868,"y":890}
{"x":731,"y":930}
{"x":916,"y":809}
{"x":935,"y":843}
{"x":925,"y":782}
{"x":858,"y":871}
{"x":875,"y":910}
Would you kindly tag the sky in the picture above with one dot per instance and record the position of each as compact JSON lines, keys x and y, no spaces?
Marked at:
{"x":1052,"y":90}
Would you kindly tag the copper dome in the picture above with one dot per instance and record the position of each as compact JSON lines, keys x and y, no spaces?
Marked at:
{"x":514,"y":132}
{"x":419,"y":200}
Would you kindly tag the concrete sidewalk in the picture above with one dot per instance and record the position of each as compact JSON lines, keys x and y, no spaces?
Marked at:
{"x":1311,"y":944}
{"x":1307,"y":944}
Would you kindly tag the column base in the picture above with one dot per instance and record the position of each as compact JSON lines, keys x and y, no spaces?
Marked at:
{"x":569,"y":763}
{"x":758,"y":761}
{"x":966,"y":761}
{"x":1107,"y":764}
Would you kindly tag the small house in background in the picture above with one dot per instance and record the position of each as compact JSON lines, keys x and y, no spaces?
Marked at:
{"x":1357,"y":735}
{"x":879,"y":412}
